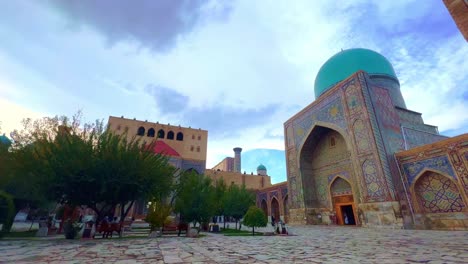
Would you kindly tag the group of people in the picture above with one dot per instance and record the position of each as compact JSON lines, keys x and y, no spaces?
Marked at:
{"x":280,"y":227}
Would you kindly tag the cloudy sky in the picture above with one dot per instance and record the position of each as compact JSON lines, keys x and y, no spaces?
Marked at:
{"x":236,"y":68}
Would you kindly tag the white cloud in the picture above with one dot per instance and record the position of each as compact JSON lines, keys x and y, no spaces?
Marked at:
{"x":261,"y":54}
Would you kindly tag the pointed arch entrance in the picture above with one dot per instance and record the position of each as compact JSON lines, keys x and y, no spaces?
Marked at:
{"x":343,"y":202}
{"x":326,"y":166}
{"x":275,"y":210}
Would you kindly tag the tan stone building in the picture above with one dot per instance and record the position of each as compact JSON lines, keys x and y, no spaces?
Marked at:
{"x":229,"y":170}
{"x":186,"y":147}
{"x":459,"y":11}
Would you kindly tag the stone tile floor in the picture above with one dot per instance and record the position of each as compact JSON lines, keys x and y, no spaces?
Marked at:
{"x":312,"y":244}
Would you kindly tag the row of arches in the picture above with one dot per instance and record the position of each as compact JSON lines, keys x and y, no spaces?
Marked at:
{"x":161,"y":134}
{"x":274,"y":209}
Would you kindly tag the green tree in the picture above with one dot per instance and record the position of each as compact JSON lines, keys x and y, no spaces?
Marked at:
{"x":195,"y":198}
{"x":255,"y":217}
{"x":219,"y":193}
{"x":237,"y":201}
{"x":85,"y":164}
{"x":26,"y":189}
{"x":7,"y":212}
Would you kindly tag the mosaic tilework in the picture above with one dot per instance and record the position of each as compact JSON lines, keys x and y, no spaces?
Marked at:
{"x":459,"y":166}
{"x":440,"y":163}
{"x":375,"y":190}
{"x":199,"y":166}
{"x":340,"y":187}
{"x":322,"y":190}
{"x":361,"y":136}
{"x":293,"y":192}
{"x":274,"y":194}
{"x":379,"y":144}
{"x":416,"y":138}
{"x":326,"y":111}
{"x":353,"y":99}
{"x":390,"y":131}
{"x":438,"y":194}
{"x":284,"y":192}
{"x":262,"y":196}
{"x":343,"y":174}
{"x":292,"y":175}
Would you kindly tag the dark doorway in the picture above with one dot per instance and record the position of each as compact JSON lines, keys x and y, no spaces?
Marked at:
{"x":348,"y":215}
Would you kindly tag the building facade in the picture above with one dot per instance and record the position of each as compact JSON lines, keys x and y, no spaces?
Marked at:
{"x":273,"y":200}
{"x":459,"y":11}
{"x":186,"y":147}
{"x":230,"y":173}
{"x":341,"y":149}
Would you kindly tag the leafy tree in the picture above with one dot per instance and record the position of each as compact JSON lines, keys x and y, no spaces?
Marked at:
{"x":26,"y":189}
{"x":219,"y":192}
{"x":195,"y":198}
{"x":255,"y":217}
{"x":158,"y":214}
{"x":89,"y":165}
{"x":237,"y":201}
{"x":7,"y":212}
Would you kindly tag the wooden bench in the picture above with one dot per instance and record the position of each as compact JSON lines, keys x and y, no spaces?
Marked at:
{"x":175,"y":229}
{"x":107,"y":229}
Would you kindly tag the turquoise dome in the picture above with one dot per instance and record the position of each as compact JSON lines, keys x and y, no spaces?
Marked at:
{"x":347,"y":62}
{"x":4,"y":140}
{"x":261,"y":167}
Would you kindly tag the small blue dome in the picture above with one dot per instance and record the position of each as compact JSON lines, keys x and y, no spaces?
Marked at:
{"x":261,"y":167}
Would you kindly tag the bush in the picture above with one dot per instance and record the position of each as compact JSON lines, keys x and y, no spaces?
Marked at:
{"x":7,"y":212}
{"x":158,"y":215}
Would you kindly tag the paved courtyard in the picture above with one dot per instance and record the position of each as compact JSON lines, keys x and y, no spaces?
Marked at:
{"x":310,"y":245}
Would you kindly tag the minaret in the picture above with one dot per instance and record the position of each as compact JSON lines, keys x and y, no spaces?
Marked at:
{"x":237,"y":159}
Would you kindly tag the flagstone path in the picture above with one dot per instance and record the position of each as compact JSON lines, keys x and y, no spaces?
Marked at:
{"x":312,"y":244}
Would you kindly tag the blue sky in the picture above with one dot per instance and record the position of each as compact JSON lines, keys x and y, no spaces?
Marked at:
{"x":236,"y":68}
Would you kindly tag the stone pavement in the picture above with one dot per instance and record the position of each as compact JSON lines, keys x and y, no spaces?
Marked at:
{"x":312,"y":244}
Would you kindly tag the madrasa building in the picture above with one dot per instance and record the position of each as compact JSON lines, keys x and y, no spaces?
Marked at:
{"x":358,"y":156}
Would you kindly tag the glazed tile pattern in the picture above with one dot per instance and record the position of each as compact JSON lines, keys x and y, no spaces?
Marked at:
{"x":324,"y":244}
{"x":440,"y":163}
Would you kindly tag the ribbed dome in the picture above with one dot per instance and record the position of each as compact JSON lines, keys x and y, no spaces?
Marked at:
{"x":347,"y":62}
{"x":261,"y":167}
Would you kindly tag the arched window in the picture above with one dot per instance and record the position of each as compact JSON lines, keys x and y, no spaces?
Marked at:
{"x":150,"y":132}
{"x":180,"y":136}
{"x":191,"y":148}
{"x":198,"y":149}
{"x":141,"y":131}
{"x":332,"y":142}
{"x":161,"y":133}
{"x":170,"y":135}
{"x":199,"y":137}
